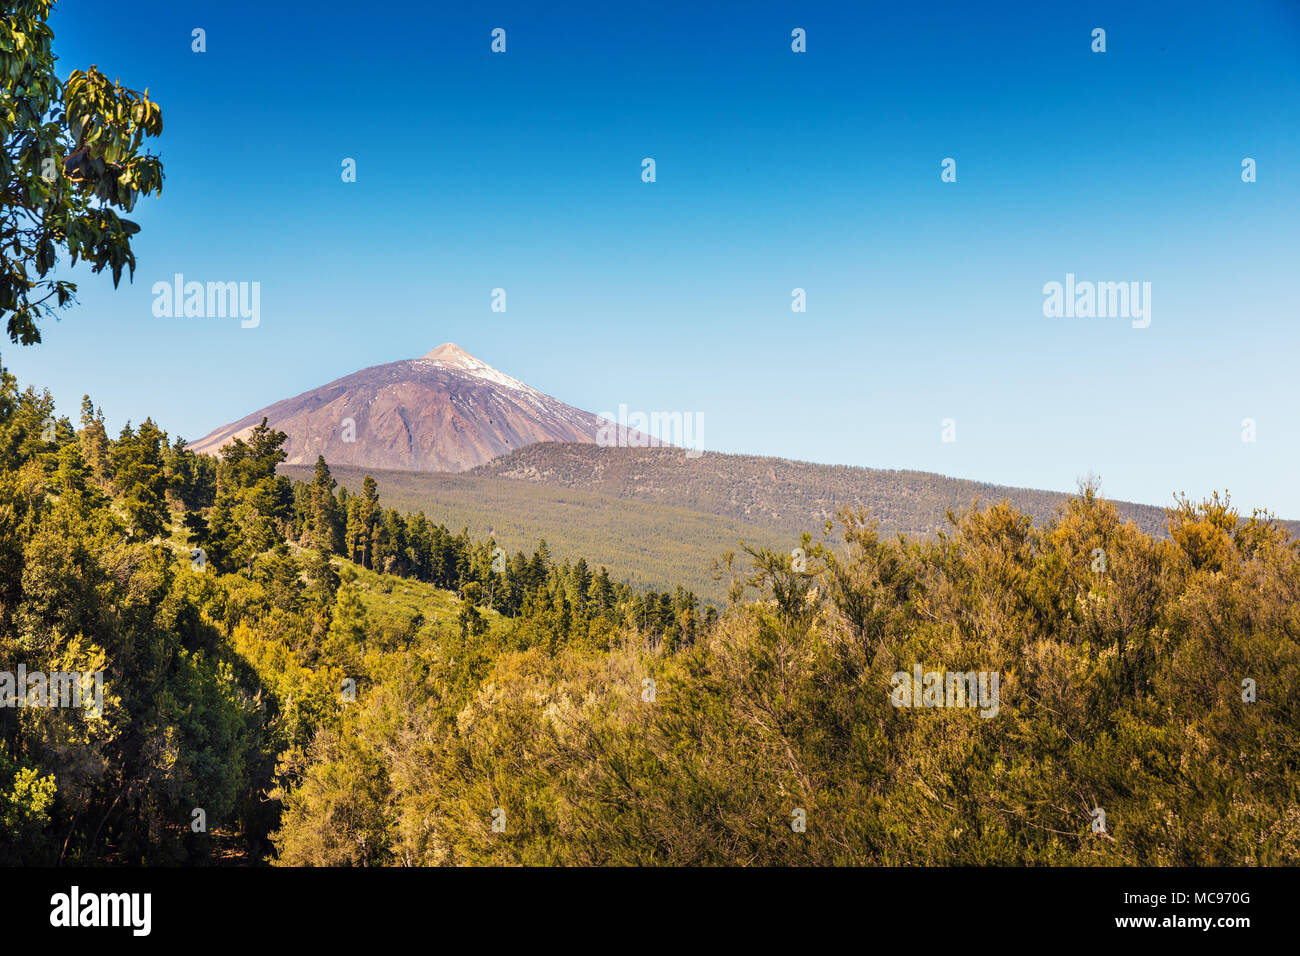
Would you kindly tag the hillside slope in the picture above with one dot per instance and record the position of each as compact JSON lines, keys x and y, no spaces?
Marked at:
{"x":785,"y":496}
{"x":646,"y":544}
{"x":656,"y":518}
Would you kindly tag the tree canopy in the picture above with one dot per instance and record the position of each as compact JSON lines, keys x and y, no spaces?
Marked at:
{"x":73,"y":158}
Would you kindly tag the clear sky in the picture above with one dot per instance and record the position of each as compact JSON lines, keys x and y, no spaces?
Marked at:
{"x":775,"y":170}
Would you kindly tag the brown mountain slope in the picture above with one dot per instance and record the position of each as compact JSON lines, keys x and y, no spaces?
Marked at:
{"x":445,"y":411}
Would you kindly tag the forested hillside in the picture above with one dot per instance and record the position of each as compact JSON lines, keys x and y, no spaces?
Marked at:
{"x":775,"y":493}
{"x":645,"y":544}
{"x":233,"y":615}
{"x":323,"y":681}
{"x":657,"y":518}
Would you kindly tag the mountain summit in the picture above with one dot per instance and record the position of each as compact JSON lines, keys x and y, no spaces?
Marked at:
{"x":451,"y":353}
{"x":444,"y":411}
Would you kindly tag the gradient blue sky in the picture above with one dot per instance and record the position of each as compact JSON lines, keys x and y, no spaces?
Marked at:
{"x":775,"y":170}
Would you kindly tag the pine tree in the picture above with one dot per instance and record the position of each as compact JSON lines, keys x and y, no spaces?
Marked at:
{"x":600,"y":592}
{"x":367,"y":516}
{"x":323,"y":527}
{"x":356,"y":540}
{"x":94,"y":441}
{"x":139,"y":479}
{"x":581,"y":584}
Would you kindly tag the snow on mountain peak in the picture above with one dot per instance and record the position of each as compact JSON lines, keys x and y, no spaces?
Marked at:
{"x":450,"y":355}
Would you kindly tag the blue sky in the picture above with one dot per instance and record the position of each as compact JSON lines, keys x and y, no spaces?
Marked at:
{"x":775,"y":170}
